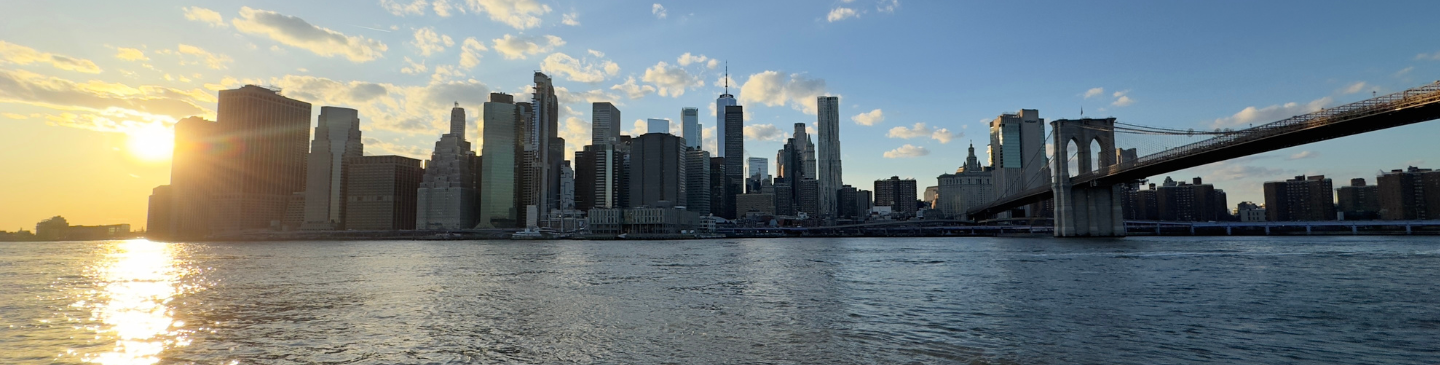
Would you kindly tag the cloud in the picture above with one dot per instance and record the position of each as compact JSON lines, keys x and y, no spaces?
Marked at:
{"x":515,"y":48}
{"x":1405,"y":71}
{"x":1356,"y":87}
{"x":22,"y":55}
{"x":944,"y":135}
{"x":419,"y":109}
{"x":887,"y":6}
{"x":640,"y":127}
{"x":1121,"y":99}
{"x":571,"y":19}
{"x":210,"y":60}
{"x":707,"y":140}
{"x":403,"y":8}
{"x":1232,"y":171}
{"x":430,"y":42}
{"x":907,"y":151}
{"x":204,"y":15}
{"x":842,"y":13}
{"x":573,"y":69}
{"x":411,"y":67}
{"x":773,"y":88}
{"x":416,"y":152}
{"x":1093,"y":92}
{"x":521,"y":14}
{"x":1253,"y":115}
{"x":870,"y":118}
{"x":1304,"y":155}
{"x":130,"y":54}
{"x":576,"y":132}
{"x":658,"y":10}
{"x":101,"y":106}
{"x":443,"y":8}
{"x":687,"y":59}
{"x":632,"y":90}
{"x":671,"y":80}
{"x":470,"y":52}
{"x":296,"y":32}
{"x":764,"y":132}
{"x":919,"y":130}
{"x":1428,"y":56}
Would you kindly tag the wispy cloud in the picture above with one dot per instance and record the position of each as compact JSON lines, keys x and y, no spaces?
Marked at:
{"x":907,"y":151}
{"x":298,"y":33}
{"x":22,"y":55}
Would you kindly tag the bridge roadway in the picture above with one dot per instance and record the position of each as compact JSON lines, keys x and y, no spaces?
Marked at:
{"x":1388,"y":111}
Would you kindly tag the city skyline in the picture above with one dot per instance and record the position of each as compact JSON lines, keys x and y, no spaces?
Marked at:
{"x":104,"y":107}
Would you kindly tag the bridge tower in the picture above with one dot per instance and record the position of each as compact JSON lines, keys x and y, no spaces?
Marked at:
{"x":1092,"y":210}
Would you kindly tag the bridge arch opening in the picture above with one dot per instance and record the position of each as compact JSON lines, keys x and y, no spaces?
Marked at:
{"x":1072,"y":157}
{"x":1094,"y":154}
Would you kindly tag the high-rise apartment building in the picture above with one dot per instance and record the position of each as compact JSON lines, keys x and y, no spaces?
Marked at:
{"x":381,"y":192}
{"x":690,"y":127}
{"x":1410,"y":194}
{"x":266,"y":134}
{"x":446,"y":197}
{"x":1303,"y":198}
{"x":898,"y":194}
{"x":1193,"y":202}
{"x":828,"y":156}
{"x":1358,"y":201}
{"x":543,"y":152}
{"x":657,"y":171}
{"x":337,"y":139}
{"x":1017,"y":155}
{"x":500,"y":158}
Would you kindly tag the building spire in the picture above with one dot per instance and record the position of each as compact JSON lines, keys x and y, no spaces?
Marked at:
{"x":727,"y":76}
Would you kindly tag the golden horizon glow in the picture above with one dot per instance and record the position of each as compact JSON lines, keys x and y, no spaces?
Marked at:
{"x":152,"y":142}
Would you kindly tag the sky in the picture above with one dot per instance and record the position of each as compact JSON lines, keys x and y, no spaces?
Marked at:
{"x":89,"y":91}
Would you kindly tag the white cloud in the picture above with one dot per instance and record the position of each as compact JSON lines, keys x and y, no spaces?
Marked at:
{"x":130,"y":54}
{"x":411,"y":67}
{"x":907,"y":151}
{"x":211,"y":60}
{"x":842,"y":13}
{"x":1121,"y":99}
{"x":470,"y":52}
{"x":521,"y":14}
{"x":687,"y":59}
{"x":422,"y":109}
{"x":429,"y":42}
{"x":764,"y":132}
{"x":632,"y":90}
{"x":204,"y":15}
{"x":571,"y":19}
{"x":658,"y":10}
{"x":1405,"y":71}
{"x":1354,"y":88}
{"x":22,"y":55}
{"x":1428,"y":56}
{"x":1304,"y":155}
{"x":296,"y":32}
{"x":671,"y":80}
{"x":872,"y":117}
{"x":773,"y":88}
{"x":443,"y":8}
{"x":707,"y":140}
{"x":102,"y":106}
{"x":919,"y":130}
{"x":514,"y":48}
{"x":576,"y":132}
{"x":944,"y":135}
{"x":640,"y":127}
{"x":403,"y":8}
{"x":595,"y":53}
{"x":1093,"y":92}
{"x":1253,"y":115}
{"x":887,"y":6}
{"x":573,"y":69}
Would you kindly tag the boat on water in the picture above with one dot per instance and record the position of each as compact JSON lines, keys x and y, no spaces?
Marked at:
{"x":538,"y":234}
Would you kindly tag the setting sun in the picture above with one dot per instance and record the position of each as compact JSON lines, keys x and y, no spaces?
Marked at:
{"x":152,"y":143}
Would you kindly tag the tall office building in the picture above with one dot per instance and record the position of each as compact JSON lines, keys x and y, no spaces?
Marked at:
{"x":605,"y":123}
{"x":1017,"y":153}
{"x":828,"y":156}
{"x":380,"y":192}
{"x":723,"y":126}
{"x":697,"y":180}
{"x":540,"y":165}
{"x":194,"y":178}
{"x":718,"y":203}
{"x":1413,"y":193}
{"x":757,"y":175}
{"x":267,"y":135}
{"x":607,"y":155}
{"x":446,"y":197}
{"x":969,"y":187}
{"x":160,"y":213}
{"x":1358,"y":201}
{"x":653,"y":125}
{"x":499,"y":167}
{"x":337,"y":138}
{"x":1304,"y":198}
{"x":690,"y":127}
{"x":734,"y":140}
{"x":585,"y":178}
{"x":657,"y":171}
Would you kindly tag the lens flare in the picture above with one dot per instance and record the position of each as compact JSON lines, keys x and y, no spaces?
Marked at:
{"x":152,"y":143}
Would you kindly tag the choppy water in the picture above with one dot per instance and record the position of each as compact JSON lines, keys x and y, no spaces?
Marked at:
{"x":791,"y":301}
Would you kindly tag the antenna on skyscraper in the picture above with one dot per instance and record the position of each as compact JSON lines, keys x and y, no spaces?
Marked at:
{"x":727,"y":76}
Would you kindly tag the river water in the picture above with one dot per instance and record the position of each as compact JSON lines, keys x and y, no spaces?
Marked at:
{"x":779,"y":301}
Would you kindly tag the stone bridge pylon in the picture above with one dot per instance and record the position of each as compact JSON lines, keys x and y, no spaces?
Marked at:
{"x":1085,"y":211}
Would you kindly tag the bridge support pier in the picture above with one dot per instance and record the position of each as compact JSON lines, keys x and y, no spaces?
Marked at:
{"x":1085,"y":211}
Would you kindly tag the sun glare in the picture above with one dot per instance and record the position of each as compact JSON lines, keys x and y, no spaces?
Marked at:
{"x":152,"y":143}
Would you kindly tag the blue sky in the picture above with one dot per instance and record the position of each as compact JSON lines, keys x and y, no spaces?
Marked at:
{"x":111,"y":73}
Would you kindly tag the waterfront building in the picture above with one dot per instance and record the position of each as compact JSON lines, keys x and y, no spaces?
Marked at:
{"x":690,"y":127}
{"x":1249,"y":212}
{"x":1358,"y":201}
{"x":697,"y":180}
{"x":1413,"y":193}
{"x":657,"y":171}
{"x":755,"y":204}
{"x":500,"y":158}
{"x":931,"y":194}
{"x":294,"y":212}
{"x":897,"y":194}
{"x":161,"y":213}
{"x":1303,"y":198}
{"x":642,"y":221}
{"x":337,"y":138}
{"x":1017,"y":153}
{"x":266,"y":137}
{"x":971,"y":186}
{"x":194,"y":178}
{"x":807,"y":197}
{"x":1193,"y":202}
{"x":381,"y":192}
{"x":848,"y":207}
{"x":446,"y":197}
{"x":654,"y":125}
{"x":828,"y":156}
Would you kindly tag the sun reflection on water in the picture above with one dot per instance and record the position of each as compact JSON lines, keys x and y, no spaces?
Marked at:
{"x":138,"y":280}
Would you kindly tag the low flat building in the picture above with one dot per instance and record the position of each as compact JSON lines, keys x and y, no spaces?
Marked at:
{"x":642,"y":221}
{"x":764,"y":204}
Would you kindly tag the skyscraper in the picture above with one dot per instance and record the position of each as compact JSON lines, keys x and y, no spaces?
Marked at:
{"x":381,"y":192}
{"x":267,"y":135}
{"x":499,"y":156}
{"x":723,"y":128}
{"x":607,"y":153}
{"x":540,"y":180}
{"x":194,"y":179}
{"x":1017,"y":154}
{"x":828,"y":126}
{"x":653,"y":125}
{"x":604,"y":123}
{"x":697,"y":180}
{"x":657,"y":170}
{"x":690,"y":127}
{"x":337,"y":138}
{"x":735,"y":163}
{"x":446,"y":197}
{"x":758,"y":171}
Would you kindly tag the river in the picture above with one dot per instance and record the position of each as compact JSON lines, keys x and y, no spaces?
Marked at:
{"x":1139,"y":300}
